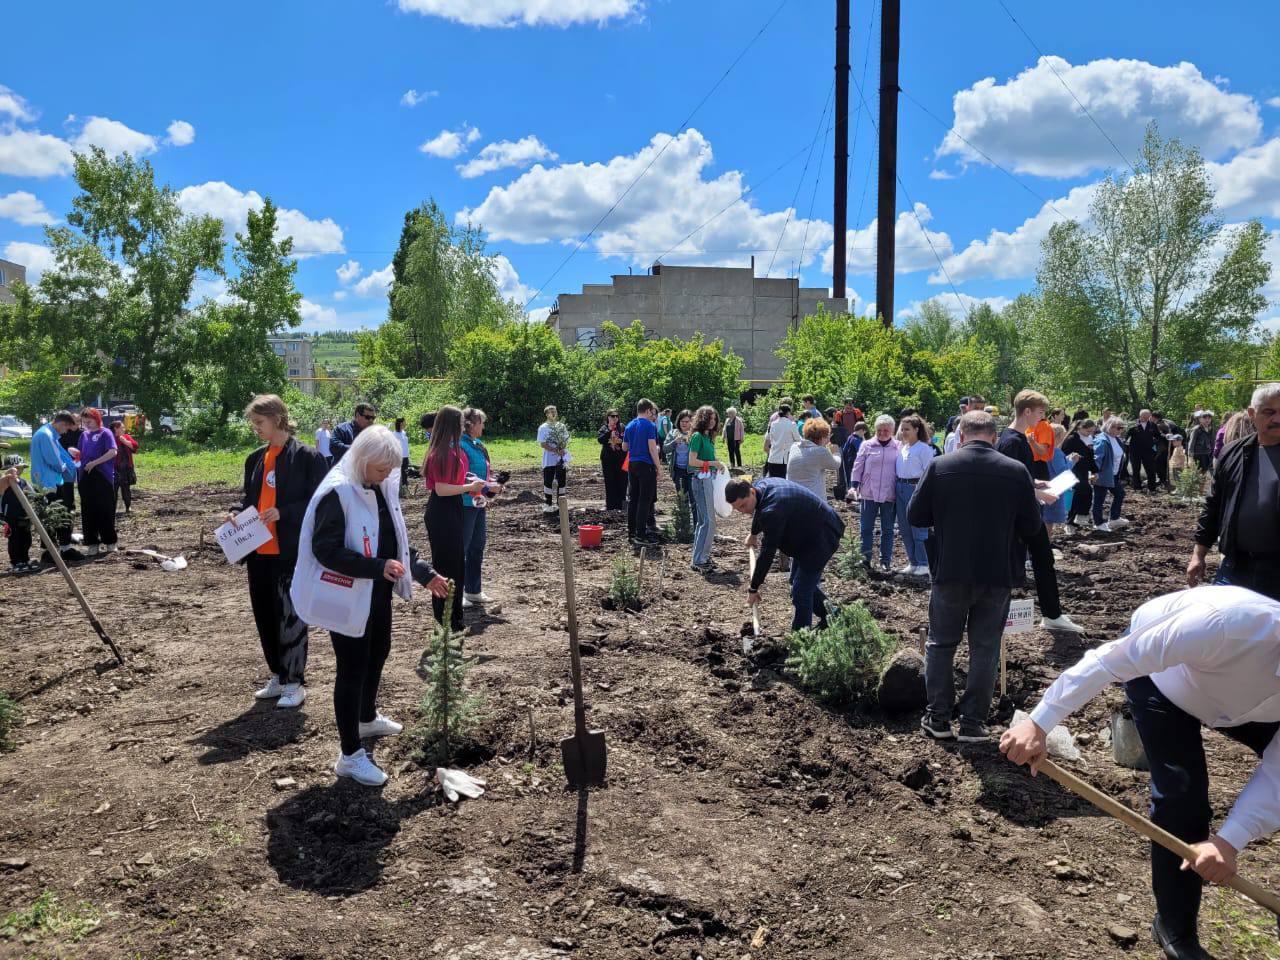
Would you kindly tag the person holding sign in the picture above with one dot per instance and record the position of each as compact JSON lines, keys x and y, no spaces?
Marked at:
{"x":279,"y":479}
{"x":353,"y":553}
{"x":1206,"y":657}
{"x":977,"y":501}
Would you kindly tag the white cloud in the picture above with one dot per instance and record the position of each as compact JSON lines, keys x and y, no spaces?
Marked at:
{"x":1249,"y":183}
{"x":1015,"y":253}
{"x":941,"y":175}
{"x":210,"y":288}
{"x":505,"y":153}
{"x":36,"y":257}
{"x":114,"y":137}
{"x":181,"y":133}
{"x":29,"y":153}
{"x":539,"y":314}
{"x":1274,"y":102}
{"x":14,"y":106}
{"x":348,"y":272}
{"x":911,"y":244}
{"x":508,"y":280}
{"x":529,"y":13}
{"x":1272,"y":252}
{"x":26,"y":209}
{"x":448,"y":144}
{"x":316,"y":317}
{"x":377,"y":283}
{"x":231,"y":206}
{"x":413,"y":97}
{"x":670,"y":202}
{"x":958,"y":308}
{"x":1032,"y":123}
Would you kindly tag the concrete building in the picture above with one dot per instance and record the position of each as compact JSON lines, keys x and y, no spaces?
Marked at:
{"x":750,"y":314}
{"x":298,"y":365}
{"x":10,"y":273}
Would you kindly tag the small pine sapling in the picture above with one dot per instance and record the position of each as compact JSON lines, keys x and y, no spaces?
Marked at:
{"x":849,"y":562}
{"x":53,"y":514}
{"x":841,"y":664}
{"x":680,"y":528}
{"x":448,"y":712}
{"x":624,"y":588}
{"x":1189,"y":485}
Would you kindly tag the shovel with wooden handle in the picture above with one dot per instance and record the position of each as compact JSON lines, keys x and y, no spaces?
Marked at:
{"x":54,"y":552}
{"x":747,"y":644}
{"x":1135,"y":821}
{"x":583,"y":754}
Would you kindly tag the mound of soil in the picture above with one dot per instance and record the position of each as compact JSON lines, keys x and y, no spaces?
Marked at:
{"x":740,"y":818}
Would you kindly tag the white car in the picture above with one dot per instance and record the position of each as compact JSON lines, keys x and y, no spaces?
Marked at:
{"x":11,"y":428}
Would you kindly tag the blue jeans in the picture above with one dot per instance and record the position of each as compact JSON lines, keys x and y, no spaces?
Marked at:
{"x":868,"y":511}
{"x":1246,"y":572}
{"x":954,"y":606}
{"x":682,"y":480}
{"x":807,"y":597}
{"x":1179,"y":792}
{"x":912,"y":537}
{"x":1100,"y":497}
{"x":474,"y":521}
{"x":704,"y":533}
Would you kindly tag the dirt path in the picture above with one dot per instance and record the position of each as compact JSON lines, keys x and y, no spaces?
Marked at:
{"x":740,"y":818}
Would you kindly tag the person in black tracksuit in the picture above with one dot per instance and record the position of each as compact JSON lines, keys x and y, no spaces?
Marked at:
{"x":1079,"y":441}
{"x":298,"y":470}
{"x":1142,"y":448}
{"x":611,"y":457}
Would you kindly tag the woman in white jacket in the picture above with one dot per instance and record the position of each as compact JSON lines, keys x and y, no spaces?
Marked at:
{"x":353,"y":553}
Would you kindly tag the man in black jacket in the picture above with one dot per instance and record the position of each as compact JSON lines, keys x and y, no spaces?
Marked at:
{"x":978,"y":501}
{"x":788,"y":517}
{"x":344,"y":434}
{"x":1242,"y":511}
{"x":1144,"y":440}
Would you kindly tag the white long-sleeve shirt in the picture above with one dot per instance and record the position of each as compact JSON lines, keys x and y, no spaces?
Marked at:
{"x":1215,"y":653}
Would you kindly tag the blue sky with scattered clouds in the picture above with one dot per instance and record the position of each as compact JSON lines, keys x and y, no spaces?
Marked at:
{"x":531,"y":117}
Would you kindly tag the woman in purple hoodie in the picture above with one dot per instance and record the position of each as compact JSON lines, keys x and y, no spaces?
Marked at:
{"x":98,"y":453}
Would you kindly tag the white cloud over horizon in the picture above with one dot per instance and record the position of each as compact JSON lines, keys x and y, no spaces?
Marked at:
{"x":448,"y":144}
{"x":506,"y":153}
{"x":15,"y":106}
{"x":377,"y":283}
{"x":412,"y":98}
{"x":36,"y":257}
{"x":529,"y":13}
{"x":219,"y":199}
{"x":25,"y":209}
{"x":916,"y":247}
{"x":30,"y":153}
{"x":114,"y":137}
{"x":180,"y":134}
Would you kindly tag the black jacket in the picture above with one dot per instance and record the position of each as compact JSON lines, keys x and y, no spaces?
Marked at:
{"x":299,"y":470}
{"x":977,"y":500}
{"x":344,"y":435}
{"x":793,"y":519}
{"x":1074,"y":443}
{"x":329,"y":544}
{"x":609,"y":455}
{"x":1222,"y":506}
{"x":1144,"y":440}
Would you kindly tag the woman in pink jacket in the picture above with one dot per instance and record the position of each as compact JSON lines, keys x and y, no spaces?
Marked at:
{"x":734,"y":432}
{"x":875,"y":475}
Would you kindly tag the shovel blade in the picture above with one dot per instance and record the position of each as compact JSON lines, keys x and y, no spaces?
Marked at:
{"x":585,"y":759}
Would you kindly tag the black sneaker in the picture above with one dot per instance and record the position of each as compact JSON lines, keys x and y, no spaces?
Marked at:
{"x":937,"y":729}
{"x":971,"y":731}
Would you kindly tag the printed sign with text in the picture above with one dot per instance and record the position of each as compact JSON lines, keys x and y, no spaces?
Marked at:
{"x":246,"y":535}
{"x":1022,"y":615}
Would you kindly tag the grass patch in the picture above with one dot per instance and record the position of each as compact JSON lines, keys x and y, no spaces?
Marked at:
{"x":1228,"y":921}
{"x":47,"y":917}
{"x":225,"y":834}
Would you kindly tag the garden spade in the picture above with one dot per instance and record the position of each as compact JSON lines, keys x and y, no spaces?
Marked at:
{"x":54,"y":552}
{"x":583,"y":753}
{"x":747,"y":644}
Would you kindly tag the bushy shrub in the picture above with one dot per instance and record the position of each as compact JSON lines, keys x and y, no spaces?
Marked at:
{"x":849,"y":562}
{"x":671,"y":372}
{"x":841,"y":665}
{"x":201,"y":427}
{"x":1190,"y":483}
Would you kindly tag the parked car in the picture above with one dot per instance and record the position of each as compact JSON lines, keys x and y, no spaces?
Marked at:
{"x":11,"y":428}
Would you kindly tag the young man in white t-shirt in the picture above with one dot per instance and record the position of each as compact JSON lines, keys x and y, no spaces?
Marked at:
{"x":322,"y":440}
{"x":783,"y":432}
{"x":554,"y":479}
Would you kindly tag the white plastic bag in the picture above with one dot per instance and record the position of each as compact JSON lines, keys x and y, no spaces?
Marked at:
{"x":721,"y":480}
{"x":1059,"y":740}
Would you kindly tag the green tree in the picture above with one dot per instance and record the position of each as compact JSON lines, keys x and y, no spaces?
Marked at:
{"x":933,"y":328}
{"x":32,"y":349}
{"x":263,"y":303}
{"x":1005,"y":332}
{"x":671,"y":372}
{"x":442,"y":287}
{"x":1137,"y":304}
{"x":125,"y":268}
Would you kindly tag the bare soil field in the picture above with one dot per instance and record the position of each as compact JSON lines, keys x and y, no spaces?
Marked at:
{"x":172,"y":816}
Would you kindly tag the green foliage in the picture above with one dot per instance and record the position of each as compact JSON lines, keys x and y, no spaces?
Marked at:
{"x":449,"y":713}
{"x":841,"y":665}
{"x":53,"y":514}
{"x":680,"y":528}
{"x":207,"y":428}
{"x":671,"y":372}
{"x":29,"y":346}
{"x":10,"y":717}
{"x":1189,"y":485}
{"x":849,"y":562}
{"x":624,"y":587}
{"x":47,"y":917}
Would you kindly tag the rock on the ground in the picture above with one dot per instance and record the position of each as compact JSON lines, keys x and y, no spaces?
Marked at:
{"x":1125,"y":936}
{"x":902,"y":684}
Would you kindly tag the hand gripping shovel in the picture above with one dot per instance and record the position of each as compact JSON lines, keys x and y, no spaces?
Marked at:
{"x":54,"y":552}
{"x":1259,"y":895}
{"x":583,"y":753}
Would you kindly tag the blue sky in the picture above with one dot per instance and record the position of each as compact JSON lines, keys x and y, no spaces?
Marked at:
{"x":532,"y":116}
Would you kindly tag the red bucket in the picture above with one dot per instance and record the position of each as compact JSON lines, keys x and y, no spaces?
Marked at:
{"x":589,"y":535}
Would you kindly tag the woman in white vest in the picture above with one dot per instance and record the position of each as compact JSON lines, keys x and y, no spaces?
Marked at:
{"x":353,"y":553}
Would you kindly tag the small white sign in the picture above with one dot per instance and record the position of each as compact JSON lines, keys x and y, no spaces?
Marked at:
{"x":1063,"y":482}
{"x":1022,"y":614}
{"x":246,"y":535}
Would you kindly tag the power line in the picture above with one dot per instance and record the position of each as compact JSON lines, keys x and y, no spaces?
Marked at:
{"x":656,"y":156}
{"x":803,"y":173}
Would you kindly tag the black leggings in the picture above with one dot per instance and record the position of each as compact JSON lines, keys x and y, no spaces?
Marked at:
{"x":443,"y":520}
{"x":97,"y":509}
{"x":735,"y":452}
{"x":615,"y":483}
{"x":359,"y":669}
{"x":126,"y":494}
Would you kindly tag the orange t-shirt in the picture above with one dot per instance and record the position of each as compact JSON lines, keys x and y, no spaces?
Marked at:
{"x":267,"y":500}
{"x":1042,"y":433}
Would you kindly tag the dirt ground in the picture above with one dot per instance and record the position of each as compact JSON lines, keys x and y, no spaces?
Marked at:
{"x":740,"y":818}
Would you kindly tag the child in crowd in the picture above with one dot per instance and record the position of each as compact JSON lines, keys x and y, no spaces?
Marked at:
{"x":17,"y":523}
{"x":1177,"y":458}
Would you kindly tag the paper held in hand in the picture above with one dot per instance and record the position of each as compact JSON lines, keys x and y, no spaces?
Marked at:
{"x":248,"y":534}
{"x":1063,"y":482}
{"x":1022,"y":615}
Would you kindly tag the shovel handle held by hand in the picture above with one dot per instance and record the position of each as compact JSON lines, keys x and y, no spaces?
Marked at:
{"x":751,"y":575}
{"x":1108,"y":804}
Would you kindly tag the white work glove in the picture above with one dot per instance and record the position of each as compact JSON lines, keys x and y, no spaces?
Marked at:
{"x":456,"y":783}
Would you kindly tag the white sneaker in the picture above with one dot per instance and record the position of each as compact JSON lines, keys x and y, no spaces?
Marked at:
{"x":110,"y":547}
{"x":292,"y":695}
{"x":1103,"y":527}
{"x":467,"y":603}
{"x":1119,"y":522}
{"x":479,"y":599}
{"x":1070,"y":529}
{"x":550,"y":508}
{"x":1062,"y":624}
{"x":380,"y":726}
{"x":273,"y":689}
{"x":909,"y":570}
{"x":92,"y":550}
{"x":359,"y":768}
{"x":920,"y":570}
